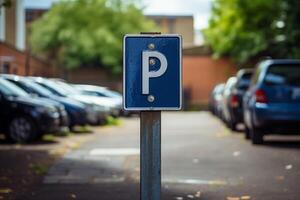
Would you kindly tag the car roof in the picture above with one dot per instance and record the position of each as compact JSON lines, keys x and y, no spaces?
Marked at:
{"x":90,"y":87}
{"x":280,"y":61}
{"x":241,"y":72}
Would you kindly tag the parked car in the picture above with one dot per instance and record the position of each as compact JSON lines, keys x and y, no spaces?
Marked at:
{"x":103,"y":92}
{"x":234,"y":99}
{"x":110,"y":107}
{"x":272,"y":103}
{"x":215,"y":97}
{"x":226,"y":100}
{"x":75,"y":110}
{"x":96,"y":113}
{"x":22,"y":118}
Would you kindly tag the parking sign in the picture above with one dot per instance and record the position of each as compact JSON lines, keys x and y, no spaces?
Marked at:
{"x":152,"y":72}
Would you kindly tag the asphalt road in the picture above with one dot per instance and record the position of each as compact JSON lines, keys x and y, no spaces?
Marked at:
{"x":201,"y":159}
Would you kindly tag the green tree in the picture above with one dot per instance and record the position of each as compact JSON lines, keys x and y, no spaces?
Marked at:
{"x":243,"y":29}
{"x":5,"y":3}
{"x":87,"y":32}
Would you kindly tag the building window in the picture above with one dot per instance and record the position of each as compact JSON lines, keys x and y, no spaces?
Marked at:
{"x":6,"y":68}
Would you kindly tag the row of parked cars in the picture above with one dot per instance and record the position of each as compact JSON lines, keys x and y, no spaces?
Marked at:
{"x":266,"y":99}
{"x":32,"y":106}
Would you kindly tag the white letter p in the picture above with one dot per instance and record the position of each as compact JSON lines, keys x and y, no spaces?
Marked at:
{"x":146,"y":73}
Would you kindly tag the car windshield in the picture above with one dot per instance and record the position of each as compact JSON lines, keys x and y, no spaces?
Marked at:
{"x":111,"y":94}
{"x":9,"y":89}
{"x":283,"y":75}
{"x":37,"y":88}
{"x":67,"y":88}
{"x":244,"y":81}
{"x":54,"y":88}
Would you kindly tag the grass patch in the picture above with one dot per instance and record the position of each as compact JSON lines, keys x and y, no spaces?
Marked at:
{"x":111,"y":121}
{"x":82,"y":129}
{"x":39,"y":169}
{"x":48,"y":138}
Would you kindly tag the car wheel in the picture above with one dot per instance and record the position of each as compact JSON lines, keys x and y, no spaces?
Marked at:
{"x":247,"y":133}
{"x":256,"y":136}
{"x":232,"y":125}
{"x":22,"y":129}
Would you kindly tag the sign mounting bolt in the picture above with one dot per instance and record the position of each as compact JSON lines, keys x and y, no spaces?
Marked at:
{"x":151,"y":46}
{"x":150,"y":98}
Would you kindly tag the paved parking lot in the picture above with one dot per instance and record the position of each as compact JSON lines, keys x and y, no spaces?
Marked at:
{"x":201,"y":159}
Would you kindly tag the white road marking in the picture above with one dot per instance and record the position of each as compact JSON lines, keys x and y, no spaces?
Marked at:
{"x":114,"y":152}
{"x":195,"y":181}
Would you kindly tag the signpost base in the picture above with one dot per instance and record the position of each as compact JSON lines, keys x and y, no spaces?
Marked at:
{"x":150,"y":156}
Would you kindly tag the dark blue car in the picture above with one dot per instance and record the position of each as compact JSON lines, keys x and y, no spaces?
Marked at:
{"x":76,"y":111}
{"x":272,"y":103}
{"x":233,"y":109}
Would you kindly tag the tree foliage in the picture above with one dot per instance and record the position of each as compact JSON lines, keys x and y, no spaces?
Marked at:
{"x":243,"y":29}
{"x":77,"y":33}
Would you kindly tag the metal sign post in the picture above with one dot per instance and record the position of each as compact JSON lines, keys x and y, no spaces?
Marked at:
{"x":150,"y":156}
{"x":151,"y":83}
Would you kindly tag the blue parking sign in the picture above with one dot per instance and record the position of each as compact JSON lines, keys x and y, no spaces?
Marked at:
{"x":152,"y":77}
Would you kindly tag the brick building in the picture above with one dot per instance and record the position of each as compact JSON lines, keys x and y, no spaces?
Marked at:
{"x":13,"y":55}
{"x":179,"y":24}
{"x":201,"y":73}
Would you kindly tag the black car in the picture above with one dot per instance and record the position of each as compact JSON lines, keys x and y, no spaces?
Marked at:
{"x":20,"y":81}
{"x":23,"y":118}
{"x":234,"y":105}
{"x":75,"y":110}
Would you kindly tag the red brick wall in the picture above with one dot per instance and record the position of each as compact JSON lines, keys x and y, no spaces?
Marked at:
{"x":202,"y":73}
{"x":17,"y":65}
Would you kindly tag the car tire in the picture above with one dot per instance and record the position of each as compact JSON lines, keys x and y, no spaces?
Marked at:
{"x":247,"y":133}
{"x":257,"y":136}
{"x":232,"y":125}
{"x":22,"y":129}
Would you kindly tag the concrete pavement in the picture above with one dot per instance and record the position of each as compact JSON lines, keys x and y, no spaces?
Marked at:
{"x":201,"y":159}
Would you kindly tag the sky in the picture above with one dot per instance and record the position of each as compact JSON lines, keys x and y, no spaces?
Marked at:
{"x":199,"y":8}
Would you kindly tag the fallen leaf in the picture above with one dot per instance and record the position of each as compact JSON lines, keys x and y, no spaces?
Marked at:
{"x":179,"y":198}
{"x":190,"y":196}
{"x":236,"y":153}
{"x":288,"y":167}
{"x":73,"y":196}
{"x":279,"y":178}
{"x":233,"y":198}
{"x":198,"y":194}
{"x":5,"y":190}
{"x":245,"y":197}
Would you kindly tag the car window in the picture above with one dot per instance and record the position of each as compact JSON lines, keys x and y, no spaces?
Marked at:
{"x":9,"y":89}
{"x":256,"y":74}
{"x":92,"y":93}
{"x":244,"y":81}
{"x":283,"y":75}
{"x":37,"y":88}
{"x":66,"y":87}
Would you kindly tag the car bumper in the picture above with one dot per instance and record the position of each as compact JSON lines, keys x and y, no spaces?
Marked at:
{"x":63,"y":119}
{"x":49,"y":123}
{"x":277,"y":116}
{"x":77,"y":117}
